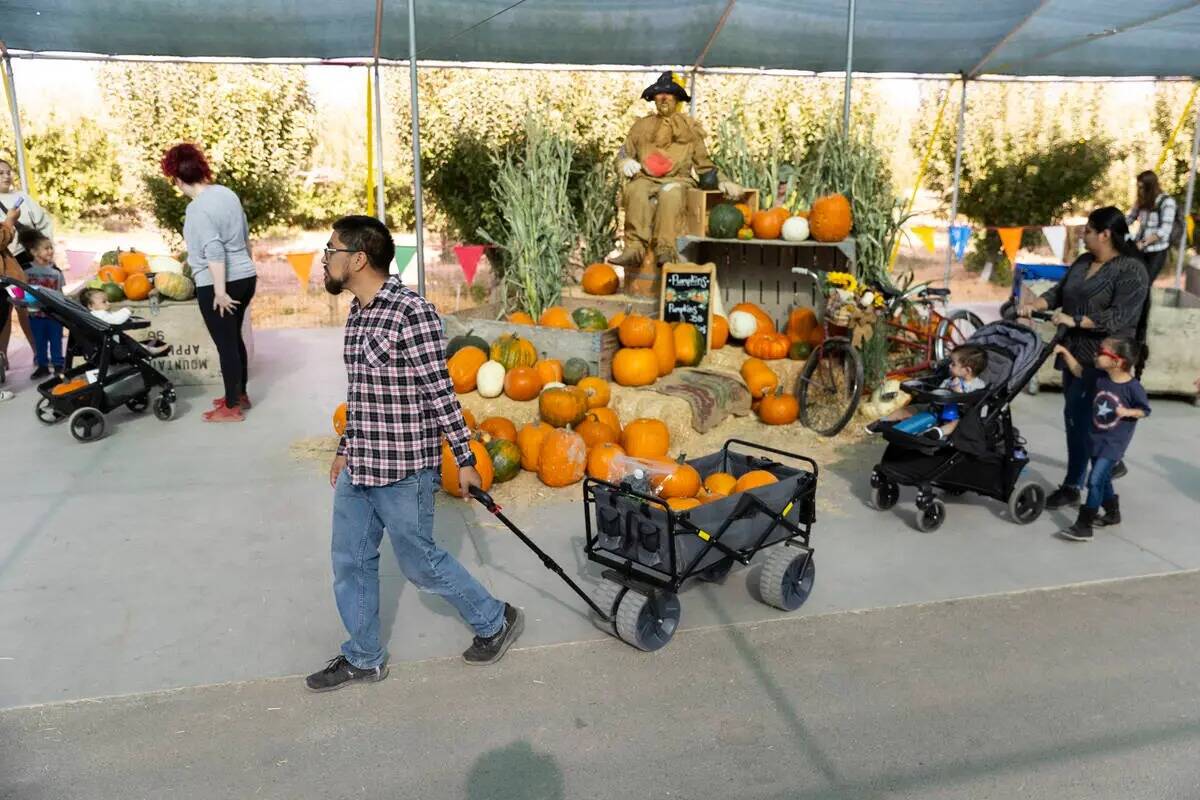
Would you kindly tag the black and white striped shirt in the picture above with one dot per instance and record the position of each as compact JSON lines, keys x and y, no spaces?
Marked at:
{"x":1112,"y":299}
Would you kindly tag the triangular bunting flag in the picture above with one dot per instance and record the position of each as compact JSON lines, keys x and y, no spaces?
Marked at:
{"x":468,"y":256}
{"x":925,"y":234}
{"x":1056,"y":237}
{"x":1010,"y":239}
{"x":404,"y":257}
{"x":960,"y":235}
{"x":302,"y":265}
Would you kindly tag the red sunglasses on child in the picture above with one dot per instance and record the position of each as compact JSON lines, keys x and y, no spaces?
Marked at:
{"x":1104,"y":351}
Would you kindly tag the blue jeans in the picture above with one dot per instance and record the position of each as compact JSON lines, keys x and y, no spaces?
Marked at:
{"x":405,"y":509}
{"x":1099,"y":484}
{"x":1077,"y":416}
{"x":47,"y":341}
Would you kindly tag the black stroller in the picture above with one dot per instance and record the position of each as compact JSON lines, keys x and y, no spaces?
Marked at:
{"x":115,"y":369}
{"x":985,"y":454}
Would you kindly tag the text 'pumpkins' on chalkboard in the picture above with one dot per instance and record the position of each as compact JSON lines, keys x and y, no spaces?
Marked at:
{"x":687,"y":295}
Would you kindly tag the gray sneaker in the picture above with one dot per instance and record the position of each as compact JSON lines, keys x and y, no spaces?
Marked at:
{"x":490,"y":650}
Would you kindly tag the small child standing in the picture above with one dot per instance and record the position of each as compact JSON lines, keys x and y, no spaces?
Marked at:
{"x":47,"y":332}
{"x":1119,"y":402}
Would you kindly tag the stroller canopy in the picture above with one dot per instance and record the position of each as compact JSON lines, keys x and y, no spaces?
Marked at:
{"x":1021,"y":346}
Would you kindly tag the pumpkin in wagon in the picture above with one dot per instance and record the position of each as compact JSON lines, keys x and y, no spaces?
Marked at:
{"x":606,"y":462}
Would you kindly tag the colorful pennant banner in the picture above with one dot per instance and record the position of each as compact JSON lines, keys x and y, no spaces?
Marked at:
{"x":925,"y":234}
{"x":1056,"y":237}
{"x":468,"y":256}
{"x":1010,"y":240}
{"x":302,"y":264}
{"x":960,"y":236}
{"x":404,"y":258}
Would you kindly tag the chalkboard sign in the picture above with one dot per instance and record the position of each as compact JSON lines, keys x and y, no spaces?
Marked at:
{"x":688,"y":291}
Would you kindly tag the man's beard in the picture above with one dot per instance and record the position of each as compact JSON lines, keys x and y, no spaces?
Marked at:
{"x":333,"y":285}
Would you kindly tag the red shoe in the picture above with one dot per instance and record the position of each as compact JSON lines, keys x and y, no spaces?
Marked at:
{"x":244,"y":403}
{"x":223,"y":414}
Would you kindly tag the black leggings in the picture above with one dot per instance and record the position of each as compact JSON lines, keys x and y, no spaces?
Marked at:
{"x":226,"y":333}
{"x":1154,"y":263}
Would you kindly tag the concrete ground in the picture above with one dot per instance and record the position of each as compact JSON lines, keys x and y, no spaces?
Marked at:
{"x":1083,"y":692}
{"x":178,"y":554}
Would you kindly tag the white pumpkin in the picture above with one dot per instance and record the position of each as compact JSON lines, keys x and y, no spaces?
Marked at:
{"x":742,"y":324}
{"x":795,"y":229}
{"x":489,"y":380}
{"x":165,"y":264}
{"x":553,"y":385}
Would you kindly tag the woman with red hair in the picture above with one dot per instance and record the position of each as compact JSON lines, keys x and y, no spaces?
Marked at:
{"x":218,"y":247}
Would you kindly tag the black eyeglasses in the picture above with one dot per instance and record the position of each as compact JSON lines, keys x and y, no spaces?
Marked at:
{"x":329,"y":251}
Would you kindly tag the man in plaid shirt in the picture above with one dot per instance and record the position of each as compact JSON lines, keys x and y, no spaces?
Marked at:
{"x":400,"y":403}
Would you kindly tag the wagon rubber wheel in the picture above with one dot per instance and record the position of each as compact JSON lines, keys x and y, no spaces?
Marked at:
{"x":608,"y":594}
{"x":164,"y":408}
{"x":138,"y":404}
{"x":931,"y":517}
{"x":787,"y":578}
{"x":648,"y":623}
{"x":46,"y":413}
{"x":885,"y":495}
{"x":87,"y":424}
{"x":830,"y":387}
{"x":1026,"y":502}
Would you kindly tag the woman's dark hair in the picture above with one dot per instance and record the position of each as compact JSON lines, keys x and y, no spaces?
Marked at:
{"x":30,"y":238}
{"x":369,"y":236}
{"x":186,"y":162}
{"x":1111,"y":219}
{"x":1129,"y":351}
{"x":1148,"y":190}
{"x":85,"y":297}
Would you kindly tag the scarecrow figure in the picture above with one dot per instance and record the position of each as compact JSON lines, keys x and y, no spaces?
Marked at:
{"x":658,"y":157}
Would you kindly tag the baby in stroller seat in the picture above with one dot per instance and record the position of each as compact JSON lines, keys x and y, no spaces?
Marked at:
{"x":967,"y":363}
{"x":96,"y":301}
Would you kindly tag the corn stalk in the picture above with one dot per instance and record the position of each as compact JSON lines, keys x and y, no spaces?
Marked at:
{"x":598,"y":211}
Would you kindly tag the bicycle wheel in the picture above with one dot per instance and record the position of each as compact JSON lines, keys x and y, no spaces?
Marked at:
{"x":830,"y":386}
{"x":954,"y":330}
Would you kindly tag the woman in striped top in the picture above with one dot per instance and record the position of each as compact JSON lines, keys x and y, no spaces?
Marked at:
{"x":1100,"y":296}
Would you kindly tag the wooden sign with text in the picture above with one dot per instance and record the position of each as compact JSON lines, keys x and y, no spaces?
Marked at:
{"x":688,"y":294}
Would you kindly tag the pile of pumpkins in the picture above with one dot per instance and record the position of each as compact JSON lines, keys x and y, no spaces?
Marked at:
{"x":829,"y":220}
{"x":132,"y":275}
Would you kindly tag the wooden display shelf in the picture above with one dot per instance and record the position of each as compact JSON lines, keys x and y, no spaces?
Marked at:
{"x":701,"y":201}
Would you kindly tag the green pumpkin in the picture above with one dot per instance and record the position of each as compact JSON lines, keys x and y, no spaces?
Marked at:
{"x":575,"y":370}
{"x":114,"y":292}
{"x":94,"y":283}
{"x":466,"y":340}
{"x":589,"y":319}
{"x":699,"y":345}
{"x":724,"y":221}
{"x":109,"y":259}
{"x":799,"y":351}
{"x":506,"y":459}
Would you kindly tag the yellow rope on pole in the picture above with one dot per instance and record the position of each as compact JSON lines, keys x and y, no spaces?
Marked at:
{"x":370,"y":149}
{"x":1162,"y":158}
{"x":912,"y":198}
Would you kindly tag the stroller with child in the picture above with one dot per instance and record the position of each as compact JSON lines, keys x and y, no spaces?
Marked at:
{"x":116,"y":370}
{"x":985,"y":454}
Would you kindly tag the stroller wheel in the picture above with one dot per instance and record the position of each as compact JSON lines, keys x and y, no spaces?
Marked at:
{"x":46,"y":413}
{"x":607,"y":596}
{"x":787,"y":578}
{"x":648,"y":623}
{"x":138,"y":404}
{"x":164,"y":407}
{"x":87,"y":424}
{"x":931,"y":517}
{"x":885,"y":494}
{"x":1026,"y":502}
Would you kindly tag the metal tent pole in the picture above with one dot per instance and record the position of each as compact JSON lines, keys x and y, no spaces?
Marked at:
{"x":1187,"y":203}
{"x":19,"y":140}
{"x":380,"y":208}
{"x":958,"y":147}
{"x":849,"y":67}
{"x":418,"y":210}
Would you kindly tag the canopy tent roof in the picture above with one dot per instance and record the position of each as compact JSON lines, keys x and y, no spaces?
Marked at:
{"x":1110,"y":38}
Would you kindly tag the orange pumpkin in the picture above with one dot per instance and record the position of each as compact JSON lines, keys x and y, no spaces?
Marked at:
{"x":483,"y":465}
{"x":608,"y":417}
{"x":635,"y":366}
{"x":550,"y":370}
{"x":766,"y":225}
{"x":800,"y":324}
{"x":760,"y":379}
{"x":519,"y":318}
{"x":753,"y":479}
{"x":673,"y":479}
{"x":597,"y":390}
{"x":646,"y":438}
{"x":705,"y":496}
{"x":463,"y":367}
{"x":339,"y":415}
{"x":616,"y":319}
{"x":606,"y":462}
{"x":682,"y":503}
{"x":557,"y":317}
{"x":595,"y":432}
{"x":768,"y":345}
{"x":636,"y":331}
{"x":720,"y":483}
{"x":664,"y":348}
{"x":720,"y":331}
{"x":522,"y":383}
{"x":468,"y":418}
{"x":689,"y":344}
{"x":133,"y":261}
{"x":530,"y":439}
{"x":499,"y":428}
{"x":747,"y":214}
{"x":66,"y":387}
{"x":563,"y":458}
{"x":600,"y":279}
{"x":765,"y":323}
{"x":111,"y":274}
{"x":781,"y":213}
{"x":562,"y":405}
{"x":779,"y":408}
{"x":137,"y":286}
{"x":830,"y":218}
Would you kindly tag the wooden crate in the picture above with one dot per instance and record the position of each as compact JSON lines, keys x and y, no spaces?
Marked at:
{"x":701,"y":201}
{"x":760,"y":271}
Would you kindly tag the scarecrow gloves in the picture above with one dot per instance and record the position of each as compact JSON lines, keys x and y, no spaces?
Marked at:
{"x":630,"y":167}
{"x":731,"y":190}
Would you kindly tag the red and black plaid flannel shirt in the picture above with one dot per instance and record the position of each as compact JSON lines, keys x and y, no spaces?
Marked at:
{"x":400,"y":400}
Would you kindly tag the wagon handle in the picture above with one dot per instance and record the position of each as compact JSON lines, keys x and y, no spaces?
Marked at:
{"x":764,"y":448}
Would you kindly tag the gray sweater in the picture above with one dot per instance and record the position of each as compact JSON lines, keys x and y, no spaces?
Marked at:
{"x":215,"y":230}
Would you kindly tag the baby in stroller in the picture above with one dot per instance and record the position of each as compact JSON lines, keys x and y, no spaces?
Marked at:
{"x":967,"y":363}
{"x":96,"y":301}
